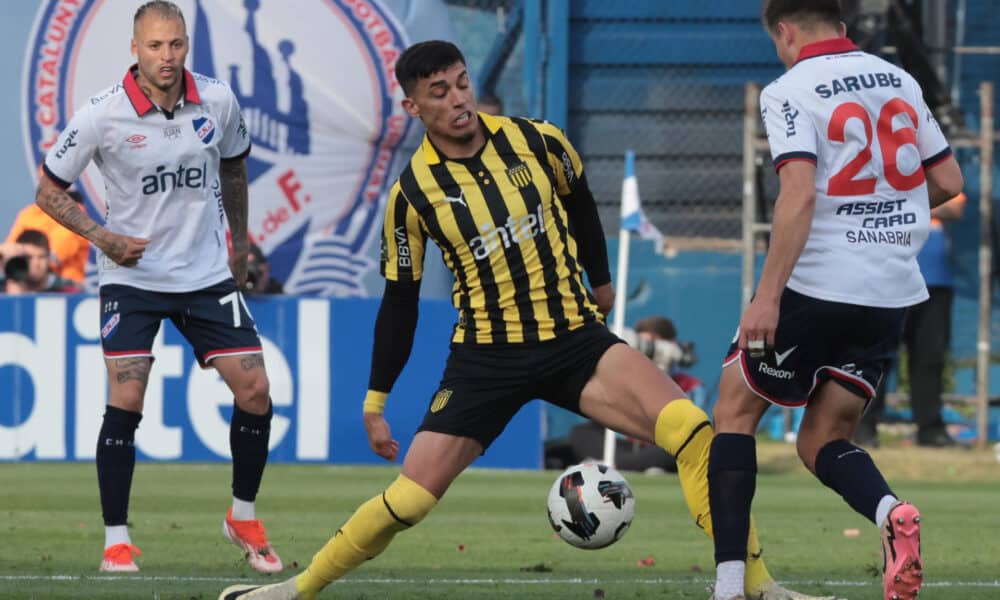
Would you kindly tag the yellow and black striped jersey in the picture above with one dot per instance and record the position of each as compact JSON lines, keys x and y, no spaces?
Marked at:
{"x":501,"y":231}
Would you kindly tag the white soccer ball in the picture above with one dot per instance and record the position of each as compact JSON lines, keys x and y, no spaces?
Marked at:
{"x":591,"y":506}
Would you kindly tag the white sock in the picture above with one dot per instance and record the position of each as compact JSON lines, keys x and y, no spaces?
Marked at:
{"x":116,"y":534}
{"x":882,"y":511}
{"x":243,"y":510}
{"x":729,"y":579}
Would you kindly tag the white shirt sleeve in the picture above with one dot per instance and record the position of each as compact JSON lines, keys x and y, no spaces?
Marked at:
{"x":235,"y":139}
{"x":74,"y":148}
{"x":790,"y":132}
{"x":931,"y":142}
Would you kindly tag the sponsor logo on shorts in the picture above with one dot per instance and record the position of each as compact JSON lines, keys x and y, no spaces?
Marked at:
{"x":440,"y":400}
{"x":109,"y":327}
{"x":776,"y":373}
{"x":779,"y":357}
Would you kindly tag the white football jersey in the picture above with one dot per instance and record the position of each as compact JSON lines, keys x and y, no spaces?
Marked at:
{"x":863,"y":122}
{"x":161,"y":175}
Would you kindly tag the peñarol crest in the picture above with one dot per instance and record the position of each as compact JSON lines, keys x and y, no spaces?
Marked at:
{"x":319,"y":100}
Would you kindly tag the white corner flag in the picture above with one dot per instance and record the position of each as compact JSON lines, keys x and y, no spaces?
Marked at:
{"x":633,"y":219}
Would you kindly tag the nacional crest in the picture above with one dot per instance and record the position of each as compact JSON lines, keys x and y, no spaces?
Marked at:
{"x":324,"y":132}
{"x":204,"y":128}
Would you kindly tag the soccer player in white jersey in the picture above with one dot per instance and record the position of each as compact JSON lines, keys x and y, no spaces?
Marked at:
{"x":861,"y":161}
{"x":170,"y":146}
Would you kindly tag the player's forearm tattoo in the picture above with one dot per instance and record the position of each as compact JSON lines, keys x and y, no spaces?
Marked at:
{"x":58,"y":205}
{"x":251,"y":362}
{"x":233,"y":178}
{"x":136,"y":368}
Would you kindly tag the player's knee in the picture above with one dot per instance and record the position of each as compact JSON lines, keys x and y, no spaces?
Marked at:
{"x":808,"y":447}
{"x":677,"y":423}
{"x":407,"y":501}
{"x":126,"y":398}
{"x":253,"y":394}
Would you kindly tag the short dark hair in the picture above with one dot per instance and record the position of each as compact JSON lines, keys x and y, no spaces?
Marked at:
{"x":33,"y":237}
{"x":75,"y":195}
{"x":660,"y":326}
{"x":804,"y":12}
{"x":163,"y":9}
{"x":423,"y":59}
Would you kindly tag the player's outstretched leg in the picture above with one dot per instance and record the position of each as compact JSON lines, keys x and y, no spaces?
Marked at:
{"x":364,"y":536}
{"x":683,"y":430}
{"x":902,"y":570}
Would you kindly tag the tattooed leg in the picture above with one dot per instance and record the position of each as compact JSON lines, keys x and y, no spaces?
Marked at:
{"x":246,"y":377}
{"x":127,"y":379}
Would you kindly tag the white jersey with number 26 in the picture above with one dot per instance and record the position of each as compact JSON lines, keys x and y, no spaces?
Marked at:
{"x":864,"y":124}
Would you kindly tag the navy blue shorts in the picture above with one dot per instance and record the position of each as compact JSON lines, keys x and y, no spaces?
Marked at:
{"x":484,"y":385}
{"x":214,"y":320}
{"x":817,"y":341}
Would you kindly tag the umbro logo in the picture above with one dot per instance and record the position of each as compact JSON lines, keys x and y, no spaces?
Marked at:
{"x":779,"y":357}
{"x":460,"y":199}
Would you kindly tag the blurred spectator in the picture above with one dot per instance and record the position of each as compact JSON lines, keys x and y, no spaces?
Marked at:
{"x":673,"y":356}
{"x":69,"y":250}
{"x":490,"y":104}
{"x":27,"y":269}
{"x":926,"y":333}
{"x":259,"y":279}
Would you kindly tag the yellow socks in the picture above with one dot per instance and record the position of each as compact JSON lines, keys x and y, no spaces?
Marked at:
{"x":683,"y":430}
{"x":366,"y":534}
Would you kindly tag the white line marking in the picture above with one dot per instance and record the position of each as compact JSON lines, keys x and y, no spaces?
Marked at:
{"x":488,"y":581}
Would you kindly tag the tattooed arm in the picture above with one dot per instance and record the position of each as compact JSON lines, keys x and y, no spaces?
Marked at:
{"x":233,"y":177}
{"x":52,"y":199}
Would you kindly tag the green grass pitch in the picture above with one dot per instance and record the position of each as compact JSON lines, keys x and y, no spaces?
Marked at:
{"x":489,"y":537}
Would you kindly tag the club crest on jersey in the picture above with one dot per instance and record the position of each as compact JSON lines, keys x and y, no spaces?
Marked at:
{"x":294,"y":125}
{"x":205,"y":128}
{"x":519,"y":175}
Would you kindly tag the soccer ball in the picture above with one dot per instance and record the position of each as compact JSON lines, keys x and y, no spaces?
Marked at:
{"x":591,"y":506}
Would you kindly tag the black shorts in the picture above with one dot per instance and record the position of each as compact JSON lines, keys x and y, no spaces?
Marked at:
{"x":214,"y":320}
{"x":817,"y":341}
{"x":484,"y":385}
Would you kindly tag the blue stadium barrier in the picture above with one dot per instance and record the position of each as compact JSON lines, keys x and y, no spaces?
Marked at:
{"x":317,"y":353}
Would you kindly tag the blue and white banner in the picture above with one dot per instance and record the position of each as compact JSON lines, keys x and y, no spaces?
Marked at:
{"x":316,"y":84}
{"x":316,"y":352}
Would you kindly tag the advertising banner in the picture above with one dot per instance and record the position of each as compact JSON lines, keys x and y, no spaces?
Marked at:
{"x":53,"y":385}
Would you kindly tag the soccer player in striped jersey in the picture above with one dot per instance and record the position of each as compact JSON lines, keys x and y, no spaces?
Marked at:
{"x":508,"y":203}
{"x":861,"y":162}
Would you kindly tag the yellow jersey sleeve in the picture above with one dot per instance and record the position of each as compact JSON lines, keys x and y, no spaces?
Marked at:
{"x":563,"y":157}
{"x":403,"y":239}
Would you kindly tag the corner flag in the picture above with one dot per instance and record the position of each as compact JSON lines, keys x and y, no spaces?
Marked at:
{"x":633,"y":219}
